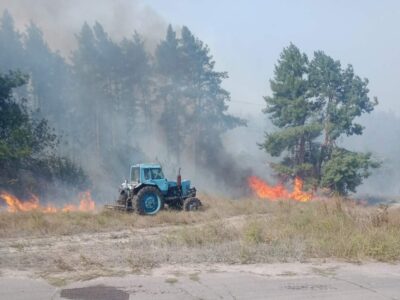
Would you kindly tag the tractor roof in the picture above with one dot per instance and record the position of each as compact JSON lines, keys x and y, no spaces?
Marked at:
{"x":147,"y":165}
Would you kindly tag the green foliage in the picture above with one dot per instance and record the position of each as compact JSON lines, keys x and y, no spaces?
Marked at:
{"x":68,"y":172}
{"x":340,"y":96}
{"x":12,"y":54}
{"x":288,"y":105}
{"x":288,"y":138}
{"x":28,"y":145}
{"x":48,"y":74}
{"x":313,"y":103}
{"x":17,"y":137}
{"x":345,"y":170}
{"x":290,"y":110}
{"x":195,"y":104}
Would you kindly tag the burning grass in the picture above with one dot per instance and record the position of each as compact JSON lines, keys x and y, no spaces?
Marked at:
{"x":278,"y":192}
{"x":14,"y":204}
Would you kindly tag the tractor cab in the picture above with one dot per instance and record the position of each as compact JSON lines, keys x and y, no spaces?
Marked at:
{"x":149,"y":174}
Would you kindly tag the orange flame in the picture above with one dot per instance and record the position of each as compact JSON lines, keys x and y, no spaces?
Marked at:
{"x":14,"y":204}
{"x":273,"y":193}
{"x":85,"y":204}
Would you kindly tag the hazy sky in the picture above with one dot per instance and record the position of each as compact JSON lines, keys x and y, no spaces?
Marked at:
{"x":246,"y":38}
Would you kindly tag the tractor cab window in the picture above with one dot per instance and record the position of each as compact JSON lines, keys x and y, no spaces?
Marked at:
{"x":152,"y":173}
{"x":135,"y":174}
{"x":156,"y":173}
{"x":147,"y":174}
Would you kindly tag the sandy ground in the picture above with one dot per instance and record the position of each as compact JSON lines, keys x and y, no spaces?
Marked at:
{"x":261,"y":281}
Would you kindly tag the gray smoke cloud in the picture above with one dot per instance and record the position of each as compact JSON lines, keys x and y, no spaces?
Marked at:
{"x":382,"y":138}
{"x":61,"y":20}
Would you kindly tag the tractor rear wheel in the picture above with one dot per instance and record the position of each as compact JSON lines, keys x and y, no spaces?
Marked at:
{"x":191,"y":204}
{"x":148,"y":201}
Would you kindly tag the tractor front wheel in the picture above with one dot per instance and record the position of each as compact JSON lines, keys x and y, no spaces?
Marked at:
{"x":148,"y":201}
{"x":191,"y":204}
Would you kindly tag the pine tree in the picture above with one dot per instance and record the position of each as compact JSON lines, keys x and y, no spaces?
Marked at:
{"x":208,"y":117}
{"x":49,"y":76}
{"x":169,"y":93}
{"x":313,"y":104}
{"x":87,"y":74}
{"x":291,"y":111}
{"x":12,"y":56}
{"x":340,"y":97}
{"x":195,"y":111}
{"x":136,"y":76}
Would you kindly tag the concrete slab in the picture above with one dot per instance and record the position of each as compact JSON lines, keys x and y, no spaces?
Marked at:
{"x":269,"y":281}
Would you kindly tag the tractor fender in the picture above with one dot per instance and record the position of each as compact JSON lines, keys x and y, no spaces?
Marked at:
{"x":142,"y":185}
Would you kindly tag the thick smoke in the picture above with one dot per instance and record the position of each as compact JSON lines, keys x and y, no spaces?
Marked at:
{"x":61,"y":20}
{"x":382,"y":138}
{"x":103,"y":140}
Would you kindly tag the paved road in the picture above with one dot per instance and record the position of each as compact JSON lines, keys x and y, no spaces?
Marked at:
{"x":270,"y":281}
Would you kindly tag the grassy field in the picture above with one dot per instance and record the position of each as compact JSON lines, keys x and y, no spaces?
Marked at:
{"x":329,"y":228}
{"x":28,"y":224}
{"x":225,"y":231}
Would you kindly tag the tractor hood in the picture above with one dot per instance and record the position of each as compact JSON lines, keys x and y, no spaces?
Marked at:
{"x":185,"y":185}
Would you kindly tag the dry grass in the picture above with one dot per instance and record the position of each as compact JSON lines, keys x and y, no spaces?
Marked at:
{"x":68,"y":223}
{"x":325,"y":230}
{"x":301,"y":231}
{"x":171,"y":280}
{"x":67,"y":246}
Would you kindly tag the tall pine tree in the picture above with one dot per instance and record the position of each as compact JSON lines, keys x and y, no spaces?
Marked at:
{"x":313,"y":104}
{"x":291,"y":111}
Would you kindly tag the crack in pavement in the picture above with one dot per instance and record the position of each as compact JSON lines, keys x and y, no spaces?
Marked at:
{"x":190,"y":294}
{"x":210,"y":289}
{"x":229,"y":292}
{"x":358,"y":285}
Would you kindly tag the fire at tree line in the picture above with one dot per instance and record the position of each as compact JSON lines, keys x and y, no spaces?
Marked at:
{"x":67,"y":123}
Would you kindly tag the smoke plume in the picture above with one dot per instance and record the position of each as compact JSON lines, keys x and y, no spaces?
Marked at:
{"x":61,"y":20}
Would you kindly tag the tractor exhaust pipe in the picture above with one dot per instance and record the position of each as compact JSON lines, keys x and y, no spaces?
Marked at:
{"x":179,"y":179}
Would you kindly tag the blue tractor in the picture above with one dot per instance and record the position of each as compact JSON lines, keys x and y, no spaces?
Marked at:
{"x":147,"y":191}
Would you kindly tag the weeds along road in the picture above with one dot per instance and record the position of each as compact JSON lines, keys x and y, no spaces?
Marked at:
{"x":231,"y":250}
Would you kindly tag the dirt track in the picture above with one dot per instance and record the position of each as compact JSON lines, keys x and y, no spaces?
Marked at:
{"x":61,"y":259}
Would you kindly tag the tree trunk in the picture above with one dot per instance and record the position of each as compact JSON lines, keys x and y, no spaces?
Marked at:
{"x":97,"y":132}
{"x":301,"y":155}
{"x":327,"y":140}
